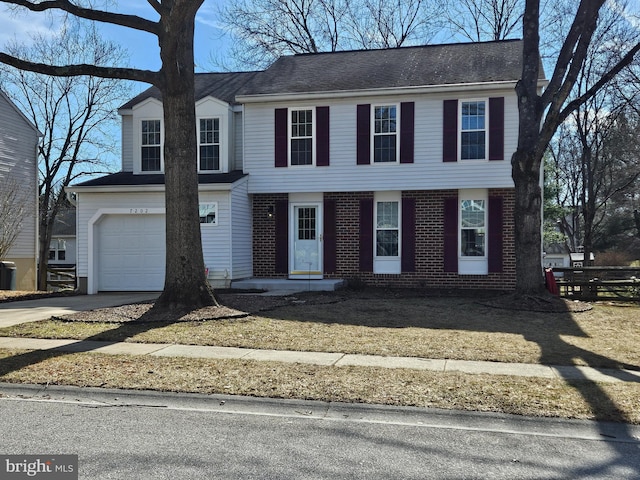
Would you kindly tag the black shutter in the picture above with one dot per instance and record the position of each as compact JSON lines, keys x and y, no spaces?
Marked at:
{"x":495,"y":245}
{"x":363,"y":134}
{"x":329,"y":236}
{"x":322,"y":134}
{"x":407,"y":114}
{"x":450,"y":225}
{"x":281,"y":137}
{"x":450,"y":131}
{"x":408,"y":260}
{"x":282,"y":237}
{"x":496,"y":128}
{"x":366,"y":235}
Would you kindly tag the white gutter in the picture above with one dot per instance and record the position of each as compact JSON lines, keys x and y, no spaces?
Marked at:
{"x":422,"y":89}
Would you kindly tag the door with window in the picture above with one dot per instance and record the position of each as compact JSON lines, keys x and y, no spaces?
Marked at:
{"x":306,"y":238}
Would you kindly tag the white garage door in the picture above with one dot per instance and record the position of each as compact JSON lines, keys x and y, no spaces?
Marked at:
{"x":131,"y":253}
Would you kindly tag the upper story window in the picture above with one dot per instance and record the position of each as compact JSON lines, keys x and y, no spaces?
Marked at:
{"x":301,"y":137}
{"x":473,"y":144}
{"x":209,"y":144}
{"x":151,"y":146}
{"x":473,"y":222}
{"x":385,"y":134}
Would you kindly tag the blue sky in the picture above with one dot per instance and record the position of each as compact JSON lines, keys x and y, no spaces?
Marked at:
{"x":142,"y":47}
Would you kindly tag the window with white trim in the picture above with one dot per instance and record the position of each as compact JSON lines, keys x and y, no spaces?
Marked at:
{"x":58,"y":249}
{"x":151,"y":146}
{"x":473,"y":133}
{"x":387,"y":229}
{"x":387,"y":232}
{"x":208,"y":213}
{"x":209,"y":144}
{"x":301,"y":137}
{"x":385,"y":134}
{"x":473,"y":222}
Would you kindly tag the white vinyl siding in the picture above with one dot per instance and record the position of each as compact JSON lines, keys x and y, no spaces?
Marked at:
{"x":226,"y":245}
{"x":241,"y":232}
{"x":236,"y":146}
{"x":18,"y":142}
{"x":428,"y":172}
{"x":127,"y":143}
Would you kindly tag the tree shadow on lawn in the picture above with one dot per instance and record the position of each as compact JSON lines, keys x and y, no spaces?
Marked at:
{"x":148,"y":321}
{"x":484,"y":313}
{"x":384,"y":310}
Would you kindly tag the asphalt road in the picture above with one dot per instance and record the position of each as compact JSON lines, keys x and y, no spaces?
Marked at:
{"x":145,"y":435}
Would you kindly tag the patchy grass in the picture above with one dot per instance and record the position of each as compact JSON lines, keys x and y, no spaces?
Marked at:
{"x":453,"y":328}
{"x":515,"y":395}
{"x":369,"y":322}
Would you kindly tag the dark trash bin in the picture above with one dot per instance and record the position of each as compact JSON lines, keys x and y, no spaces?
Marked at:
{"x":7,"y":276}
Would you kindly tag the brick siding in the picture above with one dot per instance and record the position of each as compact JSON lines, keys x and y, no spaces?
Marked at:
{"x":429,"y":245}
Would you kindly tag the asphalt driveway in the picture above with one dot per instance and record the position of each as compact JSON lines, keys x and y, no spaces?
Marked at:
{"x":14,"y":313}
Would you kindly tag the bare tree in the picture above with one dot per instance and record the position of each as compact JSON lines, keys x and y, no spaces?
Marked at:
{"x":540,"y":115}
{"x":12,"y":212}
{"x":590,"y":168}
{"x":263,"y":30}
{"x":74,"y":114}
{"x":485,"y":20}
{"x":185,"y":283}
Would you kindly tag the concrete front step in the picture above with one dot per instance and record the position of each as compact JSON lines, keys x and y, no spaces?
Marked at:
{"x":286,"y":285}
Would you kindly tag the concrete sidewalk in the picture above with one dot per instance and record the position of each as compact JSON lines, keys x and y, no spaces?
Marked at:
{"x":571,"y":373}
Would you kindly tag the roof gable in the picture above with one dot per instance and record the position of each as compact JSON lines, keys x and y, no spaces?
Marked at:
{"x":221,"y":86}
{"x":19,"y":112}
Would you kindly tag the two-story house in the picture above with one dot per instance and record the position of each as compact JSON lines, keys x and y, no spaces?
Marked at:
{"x":391,"y":166}
{"x":19,"y":173}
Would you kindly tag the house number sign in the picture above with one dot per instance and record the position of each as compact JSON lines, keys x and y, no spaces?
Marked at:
{"x":138,"y":210}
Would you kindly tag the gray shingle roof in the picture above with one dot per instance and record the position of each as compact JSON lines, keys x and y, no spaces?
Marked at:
{"x":427,"y":65}
{"x":65,"y":222}
{"x":391,"y":68}
{"x":223,"y":86}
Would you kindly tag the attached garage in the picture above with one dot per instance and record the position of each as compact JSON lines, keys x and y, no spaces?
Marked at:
{"x":130,"y":252}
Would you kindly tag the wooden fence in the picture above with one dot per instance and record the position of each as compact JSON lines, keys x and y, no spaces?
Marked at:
{"x":598,"y":283}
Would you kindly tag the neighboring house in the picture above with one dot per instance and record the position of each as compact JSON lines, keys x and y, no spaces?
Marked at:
{"x":390,"y":166}
{"x":19,"y":166}
{"x":62,"y":248}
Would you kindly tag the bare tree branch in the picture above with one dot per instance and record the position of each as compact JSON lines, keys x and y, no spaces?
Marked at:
{"x":134,"y":74}
{"x":130,"y":21}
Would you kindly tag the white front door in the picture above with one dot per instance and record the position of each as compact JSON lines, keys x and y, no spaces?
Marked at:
{"x":306,"y":238}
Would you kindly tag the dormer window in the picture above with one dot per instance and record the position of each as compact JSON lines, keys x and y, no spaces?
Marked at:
{"x":209,"y":144}
{"x":151,"y":146}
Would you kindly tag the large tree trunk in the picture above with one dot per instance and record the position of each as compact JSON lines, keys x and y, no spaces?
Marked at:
{"x":186,"y":286}
{"x":528,"y":218}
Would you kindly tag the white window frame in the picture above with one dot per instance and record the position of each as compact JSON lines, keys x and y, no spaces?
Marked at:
{"x":219,"y":143}
{"x":142,"y":145}
{"x":56,"y":246}
{"x":214,"y":207}
{"x":314,"y":122}
{"x":485,"y":129}
{"x":387,"y":264}
{"x":474,"y":265}
{"x":374,"y":134}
